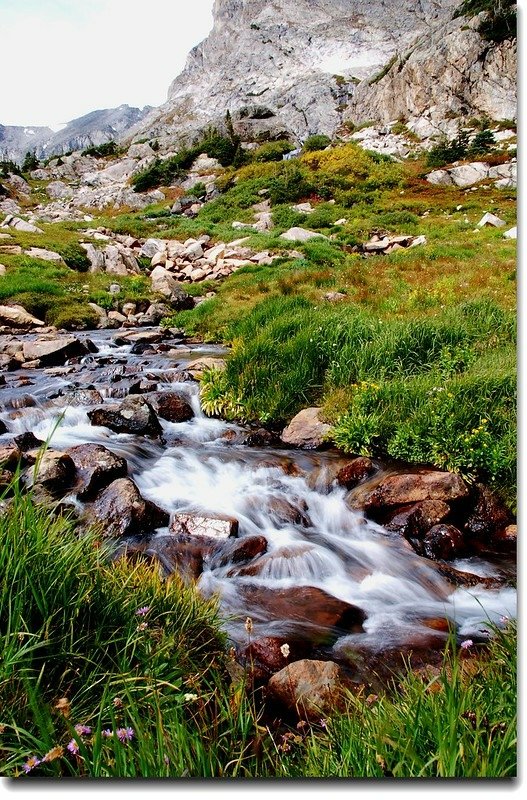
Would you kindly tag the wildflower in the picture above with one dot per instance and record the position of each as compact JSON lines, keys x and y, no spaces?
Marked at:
{"x":285,"y":650}
{"x":118,"y":703}
{"x":142,"y":626}
{"x":504,"y":620}
{"x":248,"y":625}
{"x":189,"y":697}
{"x":166,"y":760}
{"x":323,"y":723}
{"x":467,"y":644}
{"x":30,"y":764}
{"x":143,"y":611}
{"x":83,"y":730}
{"x":53,"y":754}
{"x":73,"y":747}
{"x":107,"y":733}
{"x":125,"y":734}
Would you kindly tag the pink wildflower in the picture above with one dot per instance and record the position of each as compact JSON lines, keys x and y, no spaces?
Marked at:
{"x":30,"y":764}
{"x":107,"y":733}
{"x":73,"y":747}
{"x":467,"y":644}
{"x":83,"y":730}
{"x":143,"y":611}
{"x":125,"y":734}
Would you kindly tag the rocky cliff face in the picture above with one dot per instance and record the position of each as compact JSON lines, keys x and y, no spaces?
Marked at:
{"x":305,"y":66}
{"x":92,"y":129}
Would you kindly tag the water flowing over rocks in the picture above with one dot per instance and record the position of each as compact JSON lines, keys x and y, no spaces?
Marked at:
{"x":282,"y":536}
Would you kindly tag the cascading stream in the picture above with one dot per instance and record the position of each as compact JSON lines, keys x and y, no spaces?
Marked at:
{"x":313,"y":538}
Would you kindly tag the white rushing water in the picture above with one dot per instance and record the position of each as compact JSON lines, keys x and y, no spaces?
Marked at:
{"x":314,"y":538}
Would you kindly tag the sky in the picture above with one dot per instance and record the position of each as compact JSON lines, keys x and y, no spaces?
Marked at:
{"x":68,"y":57}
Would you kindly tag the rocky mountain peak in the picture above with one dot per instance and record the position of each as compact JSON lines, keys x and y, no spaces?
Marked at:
{"x":298,"y":67}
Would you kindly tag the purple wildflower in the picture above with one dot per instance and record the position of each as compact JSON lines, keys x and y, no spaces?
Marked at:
{"x":73,"y":747}
{"x":30,"y":764}
{"x":467,"y":644}
{"x":107,"y":733}
{"x":83,"y":730}
{"x":143,"y":611}
{"x":125,"y":734}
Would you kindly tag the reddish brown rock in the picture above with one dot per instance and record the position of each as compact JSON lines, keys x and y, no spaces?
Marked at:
{"x":282,"y":510}
{"x":272,"y":653}
{"x":506,"y":539}
{"x":415,"y":520}
{"x":180,"y":555}
{"x":308,"y":605}
{"x":310,"y":688}
{"x":398,"y":490}
{"x":306,"y":430}
{"x":122,"y":511}
{"x":489,"y":515}
{"x":355,"y":472}
{"x":96,"y":467}
{"x":171,"y":406}
{"x":444,"y":542}
{"x":239,"y":551}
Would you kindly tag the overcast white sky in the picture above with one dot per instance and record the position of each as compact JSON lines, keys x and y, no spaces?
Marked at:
{"x":63,"y":58}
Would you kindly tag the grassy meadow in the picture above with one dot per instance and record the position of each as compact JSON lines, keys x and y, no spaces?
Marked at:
{"x":108,"y":671}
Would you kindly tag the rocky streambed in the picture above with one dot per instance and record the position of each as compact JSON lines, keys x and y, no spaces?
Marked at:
{"x":333,"y":559}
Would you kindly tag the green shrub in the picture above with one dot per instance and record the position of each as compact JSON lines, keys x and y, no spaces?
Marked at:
{"x":30,"y":162}
{"x":103,"y":150}
{"x":445,"y":152}
{"x":499,"y":21}
{"x":317,"y":141}
{"x":481,"y":143}
{"x":291,"y":185}
{"x":285,"y":217}
{"x":272,"y":151}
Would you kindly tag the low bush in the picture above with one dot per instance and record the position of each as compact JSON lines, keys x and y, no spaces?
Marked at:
{"x":272,"y":151}
{"x":103,"y":150}
{"x":317,"y":141}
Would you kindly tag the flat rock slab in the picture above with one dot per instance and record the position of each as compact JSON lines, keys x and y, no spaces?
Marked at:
{"x":96,"y":467}
{"x":312,"y":607}
{"x":199,"y":365}
{"x":300,"y":235}
{"x":215,"y":526}
{"x":414,"y":487}
{"x":18,"y":317}
{"x":56,"y":350}
{"x":306,"y":430}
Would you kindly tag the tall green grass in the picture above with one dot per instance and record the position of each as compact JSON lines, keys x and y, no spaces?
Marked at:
{"x":437,"y":389}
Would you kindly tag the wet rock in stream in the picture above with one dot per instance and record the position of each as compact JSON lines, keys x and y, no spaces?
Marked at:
{"x":121,"y":511}
{"x":171,"y":406}
{"x":51,"y":469}
{"x":56,"y":350}
{"x":96,"y":467}
{"x":133,"y":415}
